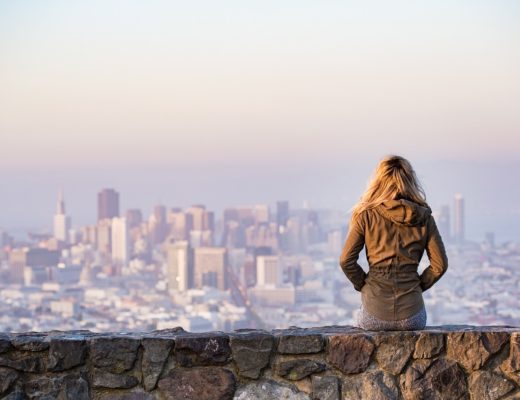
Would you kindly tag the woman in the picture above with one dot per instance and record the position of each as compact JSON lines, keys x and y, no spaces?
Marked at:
{"x":395,"y":223}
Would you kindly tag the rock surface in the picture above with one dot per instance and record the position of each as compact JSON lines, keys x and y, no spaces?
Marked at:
{"x":325,"y":363}
{"x":350,"y":353}
{"x":325,"y":387}
{"x":393,"y":351}
{"x":298,"y":369}
{"x":251,"y":352}
{"x":211,"y":383}
{"x":268,"y":389}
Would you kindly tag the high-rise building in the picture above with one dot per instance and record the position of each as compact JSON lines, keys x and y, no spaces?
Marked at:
{"x":443,"y":223}
{"x":261,"y":212}
{"x":108,"y":204}
{"x":268,"y":270}
{"x":210,"y":267}
{"x":282,"y":212}
{"x":134,"y":217}
{"x":459,"y":220}
{"x":201,"y":218}
{"x":158,"y":226}
{"x":61,"y":220}
{"x":201,"y":238}
{"x":197,"y":212}
{"x":104,"y":236}
{"x":120,"y":242}
{"x":179,"y":266}
{"x":181,"y":223}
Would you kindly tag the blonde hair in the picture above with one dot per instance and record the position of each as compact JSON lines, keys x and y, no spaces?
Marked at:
{"x":393,"y":178}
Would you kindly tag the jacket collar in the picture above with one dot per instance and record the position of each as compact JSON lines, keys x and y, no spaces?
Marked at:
{"x":403,"y":211}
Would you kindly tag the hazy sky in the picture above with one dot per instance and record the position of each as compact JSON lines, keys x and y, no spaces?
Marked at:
{"x":272,"y":98}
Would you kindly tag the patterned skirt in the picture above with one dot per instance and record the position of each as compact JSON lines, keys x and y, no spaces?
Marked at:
{"x":369,"y":322}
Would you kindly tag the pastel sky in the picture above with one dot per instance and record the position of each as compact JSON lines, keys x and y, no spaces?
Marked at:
{"x":91,"y":86}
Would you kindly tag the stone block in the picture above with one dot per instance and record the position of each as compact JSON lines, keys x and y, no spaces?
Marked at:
{"x":373,"y":385}
{"x":298,"y":368}
{"x":202,"y":349}
{"x":439,"y":379}
{"x":394,"y":350}
{"x":66,"y":353}
{"x":485,"y":385}
{"x":300,"y":343}
{"x":251,"y":352}
{"x":198,"y":383}
{"x":115,"y":354}
{"x":325,"y":387}
{"x":269,"y":389}
{"x":155,"y":353}
{"x":350,"y":353}
{"x":429,"y":345}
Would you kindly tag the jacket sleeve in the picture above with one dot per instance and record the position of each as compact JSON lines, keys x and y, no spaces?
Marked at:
{"x":348,"y":260}
{"x":436,"y":255}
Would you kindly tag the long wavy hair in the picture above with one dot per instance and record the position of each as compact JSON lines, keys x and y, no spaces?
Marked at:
{"x":393,"y":178}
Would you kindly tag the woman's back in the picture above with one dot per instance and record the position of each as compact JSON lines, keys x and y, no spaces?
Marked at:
{"x":396,"y":233}
{"x":396,"y":224}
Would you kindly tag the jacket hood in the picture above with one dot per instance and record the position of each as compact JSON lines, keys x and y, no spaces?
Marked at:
{"x":404,"y":212}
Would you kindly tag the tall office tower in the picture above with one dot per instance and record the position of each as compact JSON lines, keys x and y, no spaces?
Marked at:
{"x":89,"y":234}
{"x":443,"y":223}
{"x":134,"y":217}
{"x":292,"y":239}
{"x":282,"y":212}
{"x":158,"y":226}
{"x":268,"y":270}
{"x":120,"y":242}
{"x":210,"y":267}
{"x":104,"y":236}
{"x":197,"y":212}
{"x":179,"y":257}
{"x":181,"y":223}
{"x":202,"y":219}
{"x":458,"y":228}
{"x":261,"y":212}
{"x":262,"y":235}
{"x":201,"y":238}
{"x":61,"y":220}
{"x":208,"y":221}
{"x":108,"y":204}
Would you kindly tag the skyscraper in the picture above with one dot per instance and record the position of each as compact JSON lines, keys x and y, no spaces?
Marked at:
{"x":108,"y":204}
{"x":443,"y":223}
{"x":157,"y":225}
{"x":459,"y":220}
{"x":197,"y":211}
{"x":268,"y":270}
{"x":120,"y":242}
{"x":61,"y":220}
{"x":210,"y":267}
{"x":282,"y":212}
{"x":181,"y":223}
{"x":179,"y":266}
{"x":134,"y":217}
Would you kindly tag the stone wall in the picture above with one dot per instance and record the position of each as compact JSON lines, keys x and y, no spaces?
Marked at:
{"x":334,"y":362}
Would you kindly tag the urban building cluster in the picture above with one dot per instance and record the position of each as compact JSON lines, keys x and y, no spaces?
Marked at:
{"x":253,"y":267}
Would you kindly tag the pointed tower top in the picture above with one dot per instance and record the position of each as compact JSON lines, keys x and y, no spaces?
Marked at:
{"x":60,"y":205}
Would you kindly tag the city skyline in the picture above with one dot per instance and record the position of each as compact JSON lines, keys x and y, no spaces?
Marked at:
{"x":485,"y":212}
{"x":169,"y":222}
{"x":252,"y":266}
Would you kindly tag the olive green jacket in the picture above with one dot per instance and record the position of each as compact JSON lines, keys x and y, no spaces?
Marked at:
{"x":395,"y":234}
